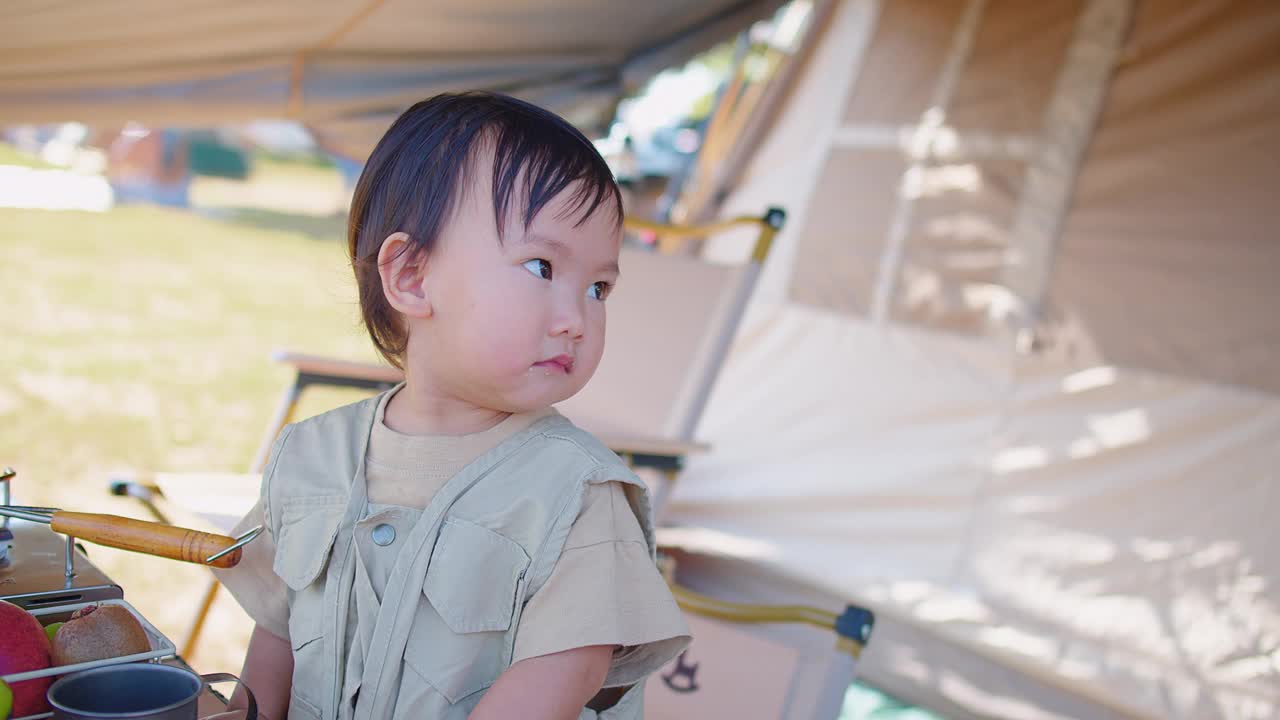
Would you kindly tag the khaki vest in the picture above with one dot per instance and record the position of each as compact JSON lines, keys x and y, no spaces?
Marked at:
{"x":484,"y":545}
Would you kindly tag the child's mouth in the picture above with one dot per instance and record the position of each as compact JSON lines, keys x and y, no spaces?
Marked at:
{"x":562,"y":363}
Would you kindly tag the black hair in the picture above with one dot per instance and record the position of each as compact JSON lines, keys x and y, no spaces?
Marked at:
{"x":420,"y":169}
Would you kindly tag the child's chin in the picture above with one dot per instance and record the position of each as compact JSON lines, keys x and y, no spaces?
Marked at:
{"x":531,"y":402}
{"x":549,"y":398}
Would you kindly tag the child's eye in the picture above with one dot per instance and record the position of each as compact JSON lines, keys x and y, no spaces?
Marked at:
{"x":539,"y":267}
{"x":599,"y":291}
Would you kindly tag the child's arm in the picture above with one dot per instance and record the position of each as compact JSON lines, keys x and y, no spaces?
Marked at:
{"x":548,"y":687}
{"x":268,"y":671}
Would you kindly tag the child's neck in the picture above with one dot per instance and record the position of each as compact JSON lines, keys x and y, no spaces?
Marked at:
{"x":415,"y":410}
{"x":421,"y":409}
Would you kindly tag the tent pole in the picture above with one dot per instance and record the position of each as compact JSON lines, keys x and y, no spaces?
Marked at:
{"x":1070,"y":120}
{"x":920,"y":151}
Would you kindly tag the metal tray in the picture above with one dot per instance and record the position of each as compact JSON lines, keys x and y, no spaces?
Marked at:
{"x":161,"y":647}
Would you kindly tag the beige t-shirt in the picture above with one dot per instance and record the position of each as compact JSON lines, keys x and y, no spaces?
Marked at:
{"x":604,"y":590}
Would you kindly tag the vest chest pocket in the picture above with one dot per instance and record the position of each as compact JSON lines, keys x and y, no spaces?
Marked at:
{"x":463,"y":633}
{"x":308,"y":527}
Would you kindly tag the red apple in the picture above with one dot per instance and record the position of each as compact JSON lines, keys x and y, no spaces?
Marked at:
{"x":24,"y":646}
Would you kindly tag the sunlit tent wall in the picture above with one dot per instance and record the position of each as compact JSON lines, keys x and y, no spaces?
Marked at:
{"x":1012,"y":374}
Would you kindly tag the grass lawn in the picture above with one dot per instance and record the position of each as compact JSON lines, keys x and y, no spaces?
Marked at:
{"x":10,"y":155}
{"x":140,"y":338}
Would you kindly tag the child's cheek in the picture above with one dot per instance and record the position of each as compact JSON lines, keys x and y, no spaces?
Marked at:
{"x":504,"y":352}
{"x":589,"y":355}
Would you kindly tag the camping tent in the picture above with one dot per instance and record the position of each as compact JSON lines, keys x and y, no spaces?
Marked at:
{"x":1012,"y":374}
{"x":345,"y":69}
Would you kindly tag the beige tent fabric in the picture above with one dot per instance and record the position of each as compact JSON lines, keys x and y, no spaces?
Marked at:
{"x":1107,"y":534}
{"x":1170,"y":258}
{"x":901,"y":69}
{"x":668,"y":317}
{"x":943,"y":157}
{"x":1180,"y":156}
{"x":347,"y":67}
{"x":1084,"y":531}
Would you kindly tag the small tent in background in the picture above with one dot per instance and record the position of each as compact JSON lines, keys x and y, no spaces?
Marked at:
{"x":1012,"y":374}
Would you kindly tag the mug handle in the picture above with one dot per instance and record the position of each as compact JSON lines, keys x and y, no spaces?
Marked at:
{"x":252,"y":712}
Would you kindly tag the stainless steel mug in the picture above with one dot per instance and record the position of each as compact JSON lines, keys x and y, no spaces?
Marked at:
{"x":135,"y":691}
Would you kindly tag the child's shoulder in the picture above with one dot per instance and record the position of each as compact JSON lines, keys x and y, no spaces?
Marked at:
{"x":344,"y":427}
{"x":351,"y":415}
{"x":558,"y":434}
{"x":328,"y":444}
{"x":556,"y":430}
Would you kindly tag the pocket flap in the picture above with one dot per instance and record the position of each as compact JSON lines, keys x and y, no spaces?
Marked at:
{"x":474,"y":576}
{"x":308,"y":527}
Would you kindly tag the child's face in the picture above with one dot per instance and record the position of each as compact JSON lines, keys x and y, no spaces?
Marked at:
{"x":519,"y":324}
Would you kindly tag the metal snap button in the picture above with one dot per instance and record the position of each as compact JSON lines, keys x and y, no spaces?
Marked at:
{"x":384,"y":534}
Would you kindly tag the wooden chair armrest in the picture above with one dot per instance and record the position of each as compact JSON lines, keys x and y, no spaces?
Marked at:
{"x":332,"y":367}
{"x":639,"y":445}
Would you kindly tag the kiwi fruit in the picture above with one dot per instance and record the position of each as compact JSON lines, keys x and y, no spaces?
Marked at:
{"x":99,"y":632}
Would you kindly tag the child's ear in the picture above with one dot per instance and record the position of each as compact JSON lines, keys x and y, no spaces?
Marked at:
{"x":403,"y":274}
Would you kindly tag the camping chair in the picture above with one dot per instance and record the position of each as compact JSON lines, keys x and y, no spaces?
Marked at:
{"x":671,"y":322}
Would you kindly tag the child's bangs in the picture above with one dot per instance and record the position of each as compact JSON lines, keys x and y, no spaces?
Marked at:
{"x":533,"y":164}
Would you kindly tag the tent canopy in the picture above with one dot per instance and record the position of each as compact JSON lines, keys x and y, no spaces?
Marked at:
{"x":345,"y":69}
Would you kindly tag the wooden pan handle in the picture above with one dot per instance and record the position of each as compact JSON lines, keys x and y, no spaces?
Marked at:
{"x":168,"y":541}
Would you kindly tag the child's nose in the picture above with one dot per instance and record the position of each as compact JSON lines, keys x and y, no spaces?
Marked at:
{"x":568,"y":318}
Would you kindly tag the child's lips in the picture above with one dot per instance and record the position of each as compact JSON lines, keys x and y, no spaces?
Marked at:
{"x":563,"y":363}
